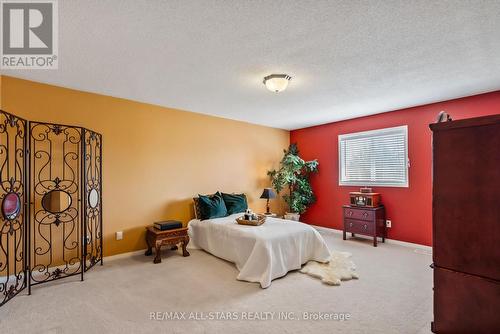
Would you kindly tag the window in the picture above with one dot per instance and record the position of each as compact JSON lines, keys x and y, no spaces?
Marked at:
{"x":376,"y":158}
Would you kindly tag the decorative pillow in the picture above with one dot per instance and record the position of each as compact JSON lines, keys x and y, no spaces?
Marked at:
{"x":212,"y":206}
{"x":197,"y":212}
{"x":235,"y":203}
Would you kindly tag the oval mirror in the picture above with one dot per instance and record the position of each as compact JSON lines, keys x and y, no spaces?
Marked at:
{"x":11,"y":206}
{"x":93,"y":198}
{"x":56,"y":201}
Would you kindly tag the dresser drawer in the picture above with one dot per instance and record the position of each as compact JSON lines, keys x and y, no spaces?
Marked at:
{"x":360,"y":214}
{"x":358,"y":226}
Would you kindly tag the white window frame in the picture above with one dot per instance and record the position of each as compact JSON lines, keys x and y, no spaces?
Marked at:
{"x":343,"y":182}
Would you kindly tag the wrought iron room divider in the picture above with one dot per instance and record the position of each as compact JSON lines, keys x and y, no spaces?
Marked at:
{"x":51,"y":203}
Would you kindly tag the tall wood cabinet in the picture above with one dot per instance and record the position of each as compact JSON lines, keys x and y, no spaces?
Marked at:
{"x":466,"y":225}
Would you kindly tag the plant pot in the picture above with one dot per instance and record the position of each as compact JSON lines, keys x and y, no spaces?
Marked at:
{"x":292,"y":216}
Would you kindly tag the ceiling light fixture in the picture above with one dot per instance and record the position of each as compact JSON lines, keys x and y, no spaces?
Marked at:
{"x":277,"y":82}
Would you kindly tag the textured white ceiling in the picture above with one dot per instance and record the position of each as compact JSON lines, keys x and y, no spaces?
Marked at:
{"x":347,"y":58}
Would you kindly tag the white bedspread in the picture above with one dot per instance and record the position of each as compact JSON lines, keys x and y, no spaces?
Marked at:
{"x":261,"y":253}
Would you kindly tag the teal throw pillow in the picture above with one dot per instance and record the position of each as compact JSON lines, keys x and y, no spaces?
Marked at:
{"x":235,"y":203}
{"x":212,"y":206}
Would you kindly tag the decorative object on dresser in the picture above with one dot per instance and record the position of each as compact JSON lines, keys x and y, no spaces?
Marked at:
{"x":443,"y":117}
{"x":167,"y":225}
{"x":365,"y":199}
{"x":366,"y":221}
{"x":466,"y":225}
{"x":156,"y":238}
{"x":268,"y":194}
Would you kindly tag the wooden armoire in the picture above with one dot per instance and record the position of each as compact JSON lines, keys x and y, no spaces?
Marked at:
{"x":466,"y":225}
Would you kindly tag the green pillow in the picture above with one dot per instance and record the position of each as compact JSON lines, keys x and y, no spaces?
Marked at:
{"x":212,"y":206}
{"x":235,"y":203}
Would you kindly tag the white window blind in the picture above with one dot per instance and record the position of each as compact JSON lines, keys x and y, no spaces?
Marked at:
{"x":376,"y":158}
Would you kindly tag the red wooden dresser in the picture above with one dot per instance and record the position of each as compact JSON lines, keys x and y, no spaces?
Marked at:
{"x":365,"y":221}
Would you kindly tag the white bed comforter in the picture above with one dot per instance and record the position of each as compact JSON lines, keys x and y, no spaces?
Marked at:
{"x":261,"y":253}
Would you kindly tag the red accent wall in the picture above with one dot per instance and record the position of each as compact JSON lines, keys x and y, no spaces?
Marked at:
{"x":410,"y":209}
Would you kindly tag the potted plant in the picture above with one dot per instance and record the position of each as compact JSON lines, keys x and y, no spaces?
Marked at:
{"x":293,"y":175}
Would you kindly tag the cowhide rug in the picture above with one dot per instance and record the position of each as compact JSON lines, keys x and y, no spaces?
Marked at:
{"x":339,"y":268}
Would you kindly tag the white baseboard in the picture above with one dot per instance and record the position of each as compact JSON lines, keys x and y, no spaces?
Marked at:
{"x":425,"y":249}
{"x":124,"y":255}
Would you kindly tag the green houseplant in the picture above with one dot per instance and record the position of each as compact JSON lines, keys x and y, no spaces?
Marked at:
{"x":293,"y":174}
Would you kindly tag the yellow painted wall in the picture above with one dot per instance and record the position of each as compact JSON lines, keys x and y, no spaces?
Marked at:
{"x":155,"y":159}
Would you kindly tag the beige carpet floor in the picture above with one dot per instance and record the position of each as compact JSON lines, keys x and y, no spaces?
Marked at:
{"x":393,"y":295}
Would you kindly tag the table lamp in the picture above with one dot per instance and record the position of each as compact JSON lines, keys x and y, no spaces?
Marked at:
{"x":268,"y":193}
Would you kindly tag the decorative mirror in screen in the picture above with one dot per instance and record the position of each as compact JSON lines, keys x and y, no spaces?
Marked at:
{"x":11,"y":206}
{"x":56,"y":201}
{"x":93,"y":198}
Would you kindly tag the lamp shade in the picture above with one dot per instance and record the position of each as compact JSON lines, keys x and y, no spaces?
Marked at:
{"x":268,"y":193}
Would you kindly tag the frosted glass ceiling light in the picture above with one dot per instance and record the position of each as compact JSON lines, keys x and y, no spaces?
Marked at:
{"x":277,"y":82}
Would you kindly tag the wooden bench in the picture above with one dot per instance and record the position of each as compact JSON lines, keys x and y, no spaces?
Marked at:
{"x":156,"y":238}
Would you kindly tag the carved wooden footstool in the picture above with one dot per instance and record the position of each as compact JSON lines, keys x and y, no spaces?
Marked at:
{"x":156,"y":238}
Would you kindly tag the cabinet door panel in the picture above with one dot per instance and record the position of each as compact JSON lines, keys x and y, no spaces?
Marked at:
{"x":465,"y":303}
{"x":466,"y":213}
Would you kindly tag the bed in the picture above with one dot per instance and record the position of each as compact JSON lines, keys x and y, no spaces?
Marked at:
{"x":261,"y":253}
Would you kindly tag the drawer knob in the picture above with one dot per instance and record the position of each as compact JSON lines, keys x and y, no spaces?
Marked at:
{"x":365,"y":214}
{"x":365,"y":227}
{"x":350,"y":224}
{"x":350,"y":213}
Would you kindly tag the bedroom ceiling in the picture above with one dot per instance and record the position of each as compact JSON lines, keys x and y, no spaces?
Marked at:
{"x":347,"y":58}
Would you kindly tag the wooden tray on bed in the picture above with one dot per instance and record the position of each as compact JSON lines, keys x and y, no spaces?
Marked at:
{"x":261,"y":219}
